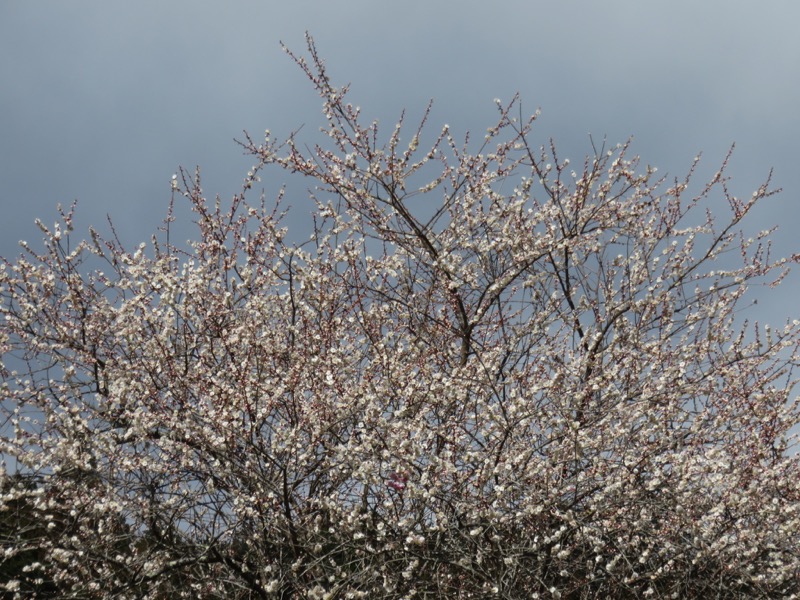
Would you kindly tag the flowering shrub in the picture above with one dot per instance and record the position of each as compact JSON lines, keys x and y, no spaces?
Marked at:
{"x":486,"y":374}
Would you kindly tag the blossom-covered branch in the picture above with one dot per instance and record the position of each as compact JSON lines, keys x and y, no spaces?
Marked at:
{"x":488,"y":372}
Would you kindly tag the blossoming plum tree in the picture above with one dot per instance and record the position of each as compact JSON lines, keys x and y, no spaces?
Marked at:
{"x":486,"y":374}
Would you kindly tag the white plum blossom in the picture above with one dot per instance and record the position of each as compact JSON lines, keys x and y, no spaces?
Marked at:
{"x":477,"y":377}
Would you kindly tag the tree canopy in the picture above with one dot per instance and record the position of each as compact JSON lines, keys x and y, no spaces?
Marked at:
{"x":488,"y":372}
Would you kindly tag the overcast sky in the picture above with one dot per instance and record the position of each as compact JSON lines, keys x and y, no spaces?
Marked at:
{"x":101,"y":101}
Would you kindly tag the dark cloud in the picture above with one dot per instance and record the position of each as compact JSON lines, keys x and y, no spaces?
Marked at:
{"x":103,"y":101}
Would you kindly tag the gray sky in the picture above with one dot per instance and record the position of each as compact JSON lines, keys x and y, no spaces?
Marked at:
{"x":103,"y":101}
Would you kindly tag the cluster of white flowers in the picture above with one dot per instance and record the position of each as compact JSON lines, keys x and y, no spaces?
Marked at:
{"x":539,"y":394}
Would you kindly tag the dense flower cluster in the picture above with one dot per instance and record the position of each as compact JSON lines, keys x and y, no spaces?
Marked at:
{"x":487,"y":374}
